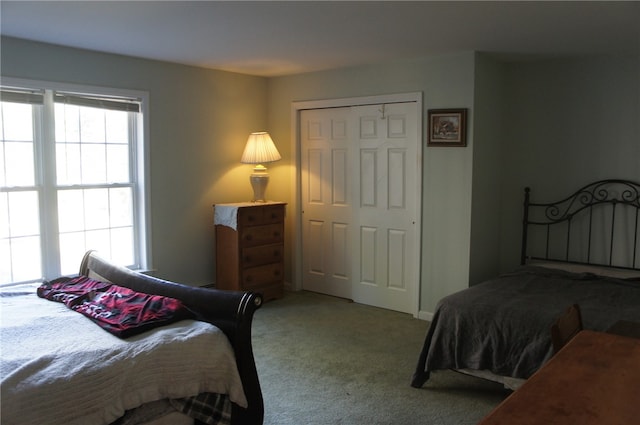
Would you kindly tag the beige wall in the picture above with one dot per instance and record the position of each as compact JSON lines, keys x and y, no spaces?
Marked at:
{"x":551,"y":124}
{"x":568,"y":122}
{"x":199,"y":123}
{"x":487,"y":169}
{"x":445,"y":81}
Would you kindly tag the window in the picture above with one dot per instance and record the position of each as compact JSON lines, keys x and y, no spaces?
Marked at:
{"x":71,"y":179}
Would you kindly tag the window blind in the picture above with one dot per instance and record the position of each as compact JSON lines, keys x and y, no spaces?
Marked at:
{"x":111,"y":103}
{"x":17,"y":95}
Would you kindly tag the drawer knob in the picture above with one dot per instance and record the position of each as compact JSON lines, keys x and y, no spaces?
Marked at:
{"x":276,"y":234}
{"x":276,"y":272}
{"x":276,"y":253}
{"x":248,"y":279}
{"x":248,"y":237}
{"x":247,"y":259}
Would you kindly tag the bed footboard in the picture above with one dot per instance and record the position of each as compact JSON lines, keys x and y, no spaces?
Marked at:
{"x":230,"y":311}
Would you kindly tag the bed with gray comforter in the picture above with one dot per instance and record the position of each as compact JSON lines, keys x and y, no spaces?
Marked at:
{"x":586,"y":248}
{"x":502,"y":325}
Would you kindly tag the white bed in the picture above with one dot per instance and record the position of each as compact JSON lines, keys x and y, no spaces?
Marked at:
{"x":60,"y":368}
{"x":53,"y":383}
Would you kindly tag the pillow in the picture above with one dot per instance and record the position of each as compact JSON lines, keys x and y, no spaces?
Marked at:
{"x":120,"y":311}
{"x":586,"y":268}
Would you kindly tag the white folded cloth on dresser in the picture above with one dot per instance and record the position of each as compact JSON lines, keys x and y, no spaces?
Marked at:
{"x":227,"y":214}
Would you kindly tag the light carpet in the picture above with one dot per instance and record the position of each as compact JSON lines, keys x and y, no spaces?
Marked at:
{"x":326,"y":360}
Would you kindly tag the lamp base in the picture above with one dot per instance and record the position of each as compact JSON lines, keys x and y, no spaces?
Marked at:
{"x":259,"y":180}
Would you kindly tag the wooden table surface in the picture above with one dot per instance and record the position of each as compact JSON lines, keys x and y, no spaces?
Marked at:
{"x":594,"y":379}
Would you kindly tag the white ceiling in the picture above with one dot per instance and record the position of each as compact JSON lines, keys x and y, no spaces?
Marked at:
{"x":271,"y":38}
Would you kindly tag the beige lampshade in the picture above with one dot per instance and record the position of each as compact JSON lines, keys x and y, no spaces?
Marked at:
{"x":260,"y":149}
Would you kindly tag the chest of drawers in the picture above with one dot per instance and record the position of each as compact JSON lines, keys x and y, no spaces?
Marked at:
{"x":250,"y":257}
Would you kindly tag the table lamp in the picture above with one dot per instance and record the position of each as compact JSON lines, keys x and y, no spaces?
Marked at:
{"x":260,"y":150}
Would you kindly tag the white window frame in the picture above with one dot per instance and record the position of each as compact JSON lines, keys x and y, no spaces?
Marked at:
{"x":46,"y":150}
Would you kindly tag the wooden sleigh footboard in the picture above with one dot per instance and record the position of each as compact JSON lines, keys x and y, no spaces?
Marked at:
{"x":230,"y":311}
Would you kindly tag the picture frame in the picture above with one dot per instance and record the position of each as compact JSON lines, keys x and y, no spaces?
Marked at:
{"x":447,"y":127}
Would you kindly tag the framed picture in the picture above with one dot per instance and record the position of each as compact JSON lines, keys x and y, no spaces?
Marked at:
{"x":447,"y":127}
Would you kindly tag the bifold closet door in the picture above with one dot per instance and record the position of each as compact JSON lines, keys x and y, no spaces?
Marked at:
{"x":359,"y":178}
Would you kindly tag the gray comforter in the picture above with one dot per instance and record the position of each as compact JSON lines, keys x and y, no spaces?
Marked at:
{"x":503,"y":325}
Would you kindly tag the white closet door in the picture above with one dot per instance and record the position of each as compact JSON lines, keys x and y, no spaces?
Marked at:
{"x":359,"y":184}
{"x":386,"y":178}
{"x":326,"y":200}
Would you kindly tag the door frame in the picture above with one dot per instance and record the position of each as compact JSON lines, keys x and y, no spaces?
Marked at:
{"x":296,"y":177}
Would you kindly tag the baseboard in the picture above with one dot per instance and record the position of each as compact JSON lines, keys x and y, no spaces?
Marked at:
{"x":425,"y":315}
{"x":288,"y":286}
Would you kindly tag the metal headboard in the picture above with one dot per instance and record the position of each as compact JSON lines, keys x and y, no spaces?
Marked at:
{"x":597,"y":225}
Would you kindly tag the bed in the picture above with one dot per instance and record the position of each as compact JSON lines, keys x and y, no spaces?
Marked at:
{"x":583,"y":249}
{"x":60,"y":368}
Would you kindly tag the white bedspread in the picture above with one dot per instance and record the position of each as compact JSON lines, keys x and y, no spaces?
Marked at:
{"x":58,"y":367}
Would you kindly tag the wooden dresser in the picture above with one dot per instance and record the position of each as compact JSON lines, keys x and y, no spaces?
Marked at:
{"x":250,"y":247}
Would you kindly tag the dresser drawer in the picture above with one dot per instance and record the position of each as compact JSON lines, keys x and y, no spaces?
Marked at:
{"x":261,"y":275}
{"x":253,"y":216}
{"x":274,"y":214}
{"x":259,"y":255}
{"x":261,"y":235}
